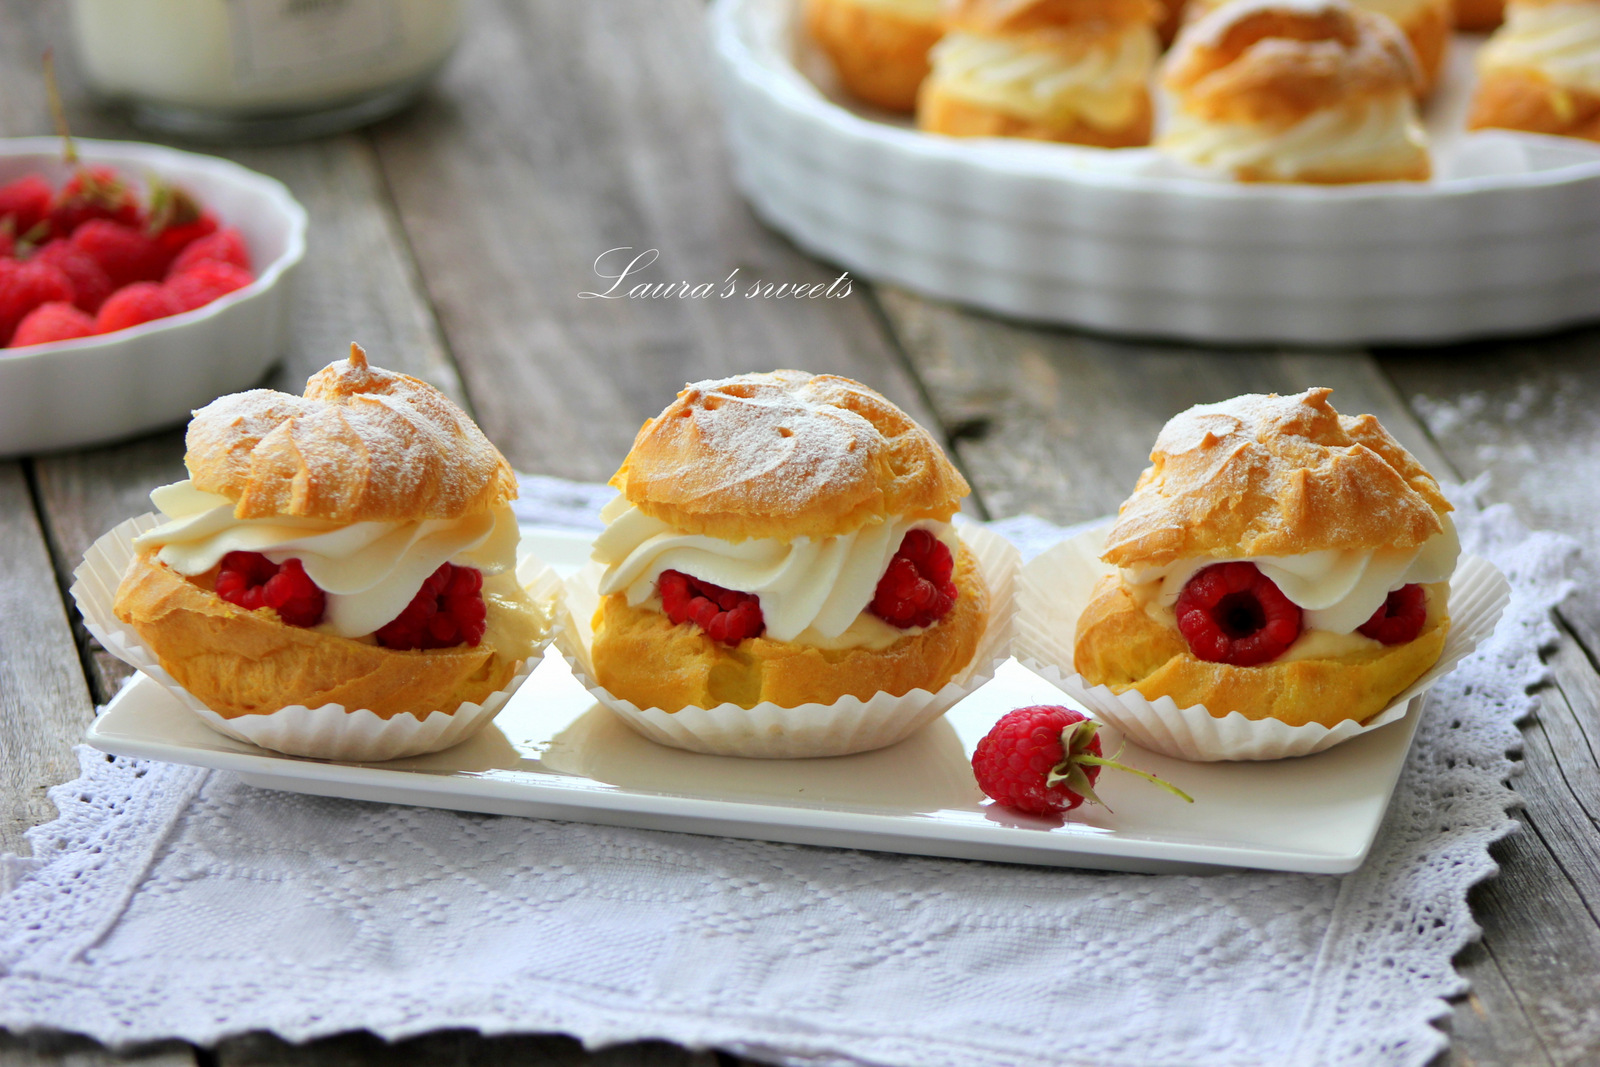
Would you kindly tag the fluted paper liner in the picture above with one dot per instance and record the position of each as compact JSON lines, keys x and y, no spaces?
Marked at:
{"x":331,"y":731}
{"x":847,"y":725}
{"x":1056,"y":587}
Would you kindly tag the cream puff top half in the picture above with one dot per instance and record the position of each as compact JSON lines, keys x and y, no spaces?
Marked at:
{"x":1559,"y":40}
{"x":1286,"y":89}
{"x":1268,"y":476}
{"x":1051,"y":60}
{"x":795,"y":487}
{"x":927,"y":12}
{"x":1334,"y":511}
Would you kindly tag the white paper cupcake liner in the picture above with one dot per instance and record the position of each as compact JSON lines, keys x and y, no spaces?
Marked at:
{"x":847,"y":725}
{"x":331,"y":731}
{"x":1056,"y":587}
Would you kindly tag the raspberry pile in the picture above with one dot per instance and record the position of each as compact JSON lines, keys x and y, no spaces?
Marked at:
{"x":1399,"y":618}
{"x":725,"y":615}
{"x":1232,"y":613}
{"x":1044,"y":760}
{"x":916,"y":589}
{"x":447,"y":611}
{"x":91,"y":259}
{"x":253,"y":581}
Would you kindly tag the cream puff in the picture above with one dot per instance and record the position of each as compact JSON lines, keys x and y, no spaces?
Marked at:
{"x":878,"y":47}
{"x":1541,"y":70}
{"x":1277,"y":559}
{"x":1426,"y":24}
{"x":783,"y":538}
{"x":1076,"y":71}
{"x":1295,"y":91}
{"x":352,"y":546}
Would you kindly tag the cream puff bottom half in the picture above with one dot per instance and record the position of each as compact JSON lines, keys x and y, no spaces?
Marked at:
{"x":1091,"y":90}
{"x":240,"y":662}
{"x":640,"y":656}
{"x":1121,"y":646}
{"x":1367,"y":140}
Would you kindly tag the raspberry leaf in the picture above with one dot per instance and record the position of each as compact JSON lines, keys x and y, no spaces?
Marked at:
{"x":1076,"y":742}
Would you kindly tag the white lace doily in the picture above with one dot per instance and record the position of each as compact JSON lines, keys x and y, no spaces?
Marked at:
{"x":168,"y":901}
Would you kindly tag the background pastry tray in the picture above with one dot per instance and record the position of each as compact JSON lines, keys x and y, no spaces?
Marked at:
{"x":555,"y":753}
{"x":1505,"y":239}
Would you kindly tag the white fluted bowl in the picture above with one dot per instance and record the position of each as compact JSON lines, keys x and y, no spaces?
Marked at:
{"x":1506,"y":239}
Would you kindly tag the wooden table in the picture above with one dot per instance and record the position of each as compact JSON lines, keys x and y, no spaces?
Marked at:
{"x":451,"y":241}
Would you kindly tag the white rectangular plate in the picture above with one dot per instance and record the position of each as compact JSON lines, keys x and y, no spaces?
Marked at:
{"x":555,"y":753}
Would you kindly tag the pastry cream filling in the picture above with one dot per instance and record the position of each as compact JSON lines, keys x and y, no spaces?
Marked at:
{"x":812,"y":592}
{"x":369,"y":570}
{"x":1560,"y":41}
{"x":1374,"y":135}
{"x":1035,"y":77}
{"x":1338,"y":590}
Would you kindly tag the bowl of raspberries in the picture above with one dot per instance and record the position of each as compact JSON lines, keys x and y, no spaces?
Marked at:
{"x":136,"y":283}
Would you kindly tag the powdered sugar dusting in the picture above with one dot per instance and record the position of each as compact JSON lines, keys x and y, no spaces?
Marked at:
{"x":362,"y":444}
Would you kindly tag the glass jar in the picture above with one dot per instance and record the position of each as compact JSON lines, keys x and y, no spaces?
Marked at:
{"x":260,"y":70}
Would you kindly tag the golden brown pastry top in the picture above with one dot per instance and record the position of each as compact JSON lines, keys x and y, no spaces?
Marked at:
{"x":783,"y":455}
{"x":1028,"y":16}
{"x":1273,"y":476}
{"x":362,"y":445}
{"x":1277,"y":61}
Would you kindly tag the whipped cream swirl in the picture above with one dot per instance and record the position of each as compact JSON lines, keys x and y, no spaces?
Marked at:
{"x":369,"y":570}
{"x":812,"y":592}
{"x":1560,"y":41}
{"x":1100,"y":80}
{"x":1373,"y":136}
{"x":1338,"y":590}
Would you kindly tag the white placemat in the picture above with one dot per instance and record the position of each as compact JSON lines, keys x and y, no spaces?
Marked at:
{"x":168,"y":901}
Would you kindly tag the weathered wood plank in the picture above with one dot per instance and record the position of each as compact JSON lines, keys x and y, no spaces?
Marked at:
{"x":1061,"y":424}
{"x":44,"y":704}
{"x":1528,"y":414}
{"x":69,"y":1050}
{"x":451,"y":1047}
{"x":565,"y":130}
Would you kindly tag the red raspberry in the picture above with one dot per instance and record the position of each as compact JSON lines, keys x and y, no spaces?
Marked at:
{"x":89,"y":279}
{"x":26,"y":202}
{"x":23,"y":287}
{"x":447,"y":611}
{"x":134,"y":304}
{"x":93,"y":193}
{"x":1399,"y":618}
{"x":916,"y":589}
{"x":253,"y":581}
{"x":176,"y":219}
{"x":725,"y":615}
{"x":55,"y":321}
{"x":1232,"y":613}
{"x":126,"y":254}
{"x":1044,"y":759}
{"x":204,"y":282}
{"x":226,"y":245}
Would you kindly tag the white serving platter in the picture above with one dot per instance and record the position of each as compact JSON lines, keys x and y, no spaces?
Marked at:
{"x":1505,"y":238}
{"x":555,"y":753}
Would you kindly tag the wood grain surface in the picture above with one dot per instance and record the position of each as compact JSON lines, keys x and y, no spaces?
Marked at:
{"x":453,"y":241}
